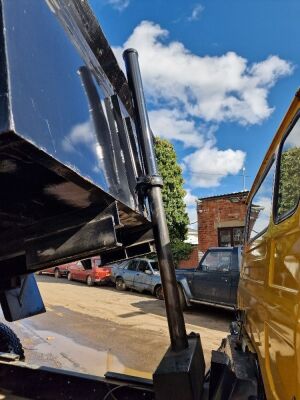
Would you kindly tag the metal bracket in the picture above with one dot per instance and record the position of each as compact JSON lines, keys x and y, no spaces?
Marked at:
{"x":21,"y":294}
{"x":146,"y":182}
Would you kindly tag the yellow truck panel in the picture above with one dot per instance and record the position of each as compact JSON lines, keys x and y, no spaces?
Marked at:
{"x":269,"y":286}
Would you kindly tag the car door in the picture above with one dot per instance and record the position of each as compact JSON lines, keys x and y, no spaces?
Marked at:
{"x":235,"y":274}
{"x":87,"y":269}
{"x":117,"y":269}
{"x":212,"y":279}
{"x":143,"y":276}
{"x":129,"y":273}
{"x":96,"y":270}
{"x":77,"y":271}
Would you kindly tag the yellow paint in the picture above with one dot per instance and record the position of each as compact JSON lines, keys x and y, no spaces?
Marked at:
{"x":269,"y":291}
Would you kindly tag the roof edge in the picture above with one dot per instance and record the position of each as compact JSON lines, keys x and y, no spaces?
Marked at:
{"x":244,"y":193}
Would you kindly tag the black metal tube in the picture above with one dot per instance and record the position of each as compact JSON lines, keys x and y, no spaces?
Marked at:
{"x":175,"y":317}
{"x":141,"y":115}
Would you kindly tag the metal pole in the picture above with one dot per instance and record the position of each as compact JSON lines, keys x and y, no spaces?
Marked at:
{"x":244,"y":179}
{"x":161,"y":234}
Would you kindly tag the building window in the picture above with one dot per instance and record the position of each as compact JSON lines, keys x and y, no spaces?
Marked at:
{"x":230,"y":236}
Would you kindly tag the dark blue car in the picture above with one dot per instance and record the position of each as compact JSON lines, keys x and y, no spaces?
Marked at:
{"x":214,"y":281}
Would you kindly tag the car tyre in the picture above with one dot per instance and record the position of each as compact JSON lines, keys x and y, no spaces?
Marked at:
{"x":120,"y":284}
{"x":9,"y":342}
{"x":57,"y":273}
{"x":69,"y":276}
{"x":159,"y":294}
{"x":89,"y":281}
{"x":182,"y":299}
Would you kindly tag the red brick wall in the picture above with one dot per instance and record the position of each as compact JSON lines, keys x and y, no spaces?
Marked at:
{"x":213,"y":213}
{"x":192,"y":261}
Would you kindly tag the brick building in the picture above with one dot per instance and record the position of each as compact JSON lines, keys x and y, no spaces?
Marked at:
{"x":221,"y":220}
{"x":192,"y":261}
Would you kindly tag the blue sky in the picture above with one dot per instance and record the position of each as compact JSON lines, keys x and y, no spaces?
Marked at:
{"x":218,"y":75}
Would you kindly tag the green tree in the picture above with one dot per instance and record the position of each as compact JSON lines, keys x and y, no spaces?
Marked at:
{"x":289,"y":180}
{"x":173,"y":195}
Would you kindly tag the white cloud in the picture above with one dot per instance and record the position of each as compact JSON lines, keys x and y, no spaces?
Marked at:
{"x":84,"y":134}
{"x":208,"y":165}
{"x":80,"y":133}
{"x":119,"y":5}
{"x":267,"y":72}
{"x":191,"y":207}
{"x":192,"y":213}
{"x":173,"y":125}
{"x":213,"y":88}
{"x":196,"y":12}
{"x":190,"y":199}
{"x":293,"y":140}
{"x":263,"y":218}
{"x":191,"y":95}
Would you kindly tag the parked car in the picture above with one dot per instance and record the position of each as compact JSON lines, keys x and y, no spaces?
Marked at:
{"x":214,"y":281}
{"x":139,"y":274}
{"x":90,"y":271}
{"x":58,"y":271}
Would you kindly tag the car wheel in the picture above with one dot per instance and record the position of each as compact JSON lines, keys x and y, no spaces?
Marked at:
{"x":69,"y":276}
{"x":159,"y":294}
{"x":120,"y":284}
{"x":89,"y":281}
{"x":57,"y":273}
{"x":9,"y":342}
{"x":182,"y":299}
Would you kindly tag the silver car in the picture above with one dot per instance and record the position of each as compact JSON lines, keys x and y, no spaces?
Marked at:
{"x":139,"y":274}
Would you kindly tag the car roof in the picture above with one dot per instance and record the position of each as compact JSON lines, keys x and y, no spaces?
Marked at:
{"x":225,"y":247}
{"x":221,"y":248}
{"x":140,"y":259}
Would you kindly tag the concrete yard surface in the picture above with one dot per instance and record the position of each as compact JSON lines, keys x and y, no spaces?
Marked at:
{"x":98,"y":329}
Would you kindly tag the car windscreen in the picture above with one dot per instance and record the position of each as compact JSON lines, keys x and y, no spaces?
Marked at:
{"x":216,"y":261}
{"x":154,"y":265}
{"x":87,"y":264}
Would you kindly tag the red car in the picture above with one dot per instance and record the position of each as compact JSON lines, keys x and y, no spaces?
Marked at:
{"x":90,"y":272}
{"x":59,"y":271}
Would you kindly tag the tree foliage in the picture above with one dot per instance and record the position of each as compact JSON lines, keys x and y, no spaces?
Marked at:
{"x":289,"y":181}
{"x":173,"y":198}
{"x":180,"y":250}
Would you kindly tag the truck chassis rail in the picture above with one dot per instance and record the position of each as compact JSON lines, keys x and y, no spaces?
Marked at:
{"x":45,"y":383}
